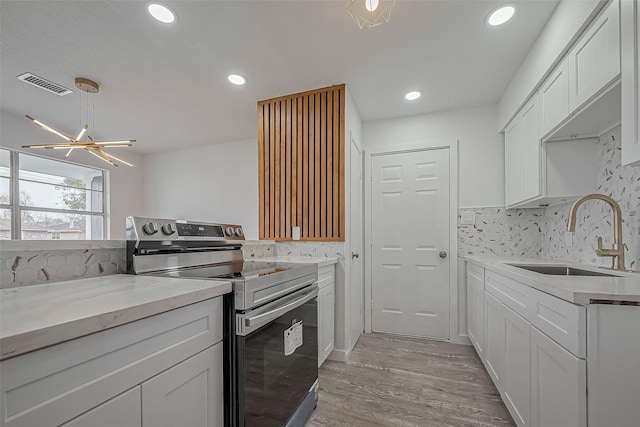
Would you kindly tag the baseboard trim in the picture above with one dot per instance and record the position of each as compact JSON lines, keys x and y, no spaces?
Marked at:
{"x":338,"y":355}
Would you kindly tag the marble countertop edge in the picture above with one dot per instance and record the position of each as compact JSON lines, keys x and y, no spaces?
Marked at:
{"x":321,"y":261}
{"x":575,"y":289}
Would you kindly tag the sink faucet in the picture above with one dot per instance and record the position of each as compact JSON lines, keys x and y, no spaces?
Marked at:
{"x":617,"y":252}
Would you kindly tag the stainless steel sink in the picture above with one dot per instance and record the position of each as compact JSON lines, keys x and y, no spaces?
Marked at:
{"x":561,"y":270}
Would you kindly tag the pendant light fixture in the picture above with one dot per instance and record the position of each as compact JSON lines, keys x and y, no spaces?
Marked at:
{"x":370,"y":13}
{"x":96,"y":148}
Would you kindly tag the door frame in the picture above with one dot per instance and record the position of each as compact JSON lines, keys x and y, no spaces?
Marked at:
{"x":358,"y":145}
{"x":391,"y":148}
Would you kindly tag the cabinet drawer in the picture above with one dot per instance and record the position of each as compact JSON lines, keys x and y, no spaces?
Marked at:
{"x":511,"y":293}
{"x":326,"y":275}
{"x":51,"y":386}
{"x":561,"y":320}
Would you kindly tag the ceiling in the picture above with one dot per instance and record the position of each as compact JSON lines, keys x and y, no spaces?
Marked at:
{"x":166,"y":86}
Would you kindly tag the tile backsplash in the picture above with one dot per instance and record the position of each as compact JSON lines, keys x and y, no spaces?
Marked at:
{"x":32,"y":267}
{"x":501,"y":232}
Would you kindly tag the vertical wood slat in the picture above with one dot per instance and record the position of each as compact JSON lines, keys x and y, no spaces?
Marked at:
{"x":301,"y":160}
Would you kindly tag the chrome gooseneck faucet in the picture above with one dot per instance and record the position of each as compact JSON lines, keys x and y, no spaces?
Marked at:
{"x":617,"y":252}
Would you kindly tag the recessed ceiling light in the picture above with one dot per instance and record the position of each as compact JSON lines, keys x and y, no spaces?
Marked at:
{"x":236,"y":79}
{"x":161,"y":12}
{"x":501,"y":15}
{"x":412,"y":95}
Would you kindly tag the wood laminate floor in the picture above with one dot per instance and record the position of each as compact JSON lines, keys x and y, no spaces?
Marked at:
{"x":398,"y":381}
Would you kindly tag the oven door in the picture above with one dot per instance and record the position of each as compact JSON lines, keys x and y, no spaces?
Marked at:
{"x":277,"y":358}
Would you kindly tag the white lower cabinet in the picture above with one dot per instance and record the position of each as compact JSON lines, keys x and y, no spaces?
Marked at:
{"x":163,"y":370}
{"x":189,"y":394}
{"x":326,"y":312}
{"x":516,"y":367}
{"x":475,"y":307}
{"x":123,"y":410}
{"x":494,"y":350}
{"x":507,"y":358}
{"x":542,"y":380}
{"x":558,"y":384}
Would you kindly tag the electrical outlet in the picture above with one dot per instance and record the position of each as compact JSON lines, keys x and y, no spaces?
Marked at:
{"x":468,"y":218}
{"x":295,"y":233}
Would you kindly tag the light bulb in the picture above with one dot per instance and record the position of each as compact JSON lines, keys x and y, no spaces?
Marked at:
{"x":161,"y":12}
{"x":371,"y":5}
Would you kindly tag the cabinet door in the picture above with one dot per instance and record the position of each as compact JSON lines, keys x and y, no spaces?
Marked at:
{"x":123,"y":410}
{"x":495,"y":339}
{"x":558,"y":384}
{"x":594,"y":61}
{"x":630,"y":37}
{"x":190,"y":394}
{"x":516,"y":381}
{"x":326,"y":313}
{"x":513,"y":161}
{"x":554,"y":98}
{"x":475,"y":307}
{"x":530,"y":150}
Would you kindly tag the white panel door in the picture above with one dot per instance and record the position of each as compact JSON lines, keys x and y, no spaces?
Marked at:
{"x":189,"y":394}
{"x":326,"y":322}
{"x":123,"y":410}
{"x":630,"y":37}
{"x":409,"y":228}
{"x":513,"y":161}
{"x":554,"y":98}
{"x":357,"y":243}
{"x":475,"y":308}
{"x":494,"y":345}
{"x":558,"y":384}
{"x":531,"y":186}
{"x":517,"y":390}
{"x":594,"y":60}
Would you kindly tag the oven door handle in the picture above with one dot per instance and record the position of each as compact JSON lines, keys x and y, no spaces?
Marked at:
{"x":246,"y":325}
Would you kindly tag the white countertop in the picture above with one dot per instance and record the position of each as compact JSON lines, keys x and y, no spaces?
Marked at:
{"x":321,"y":261}
{"x":37,"y":316}
{"x":575,"y":289}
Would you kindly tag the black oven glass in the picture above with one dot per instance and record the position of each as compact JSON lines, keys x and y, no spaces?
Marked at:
{"x":271,"y":385}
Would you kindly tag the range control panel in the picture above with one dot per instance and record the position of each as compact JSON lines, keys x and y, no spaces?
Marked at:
{"x":139,"y":228}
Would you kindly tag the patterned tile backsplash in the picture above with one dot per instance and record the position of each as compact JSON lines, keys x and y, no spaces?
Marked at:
{"x":31,"y":267}
{"x":502,"y":232}
{"x":258,"y":249}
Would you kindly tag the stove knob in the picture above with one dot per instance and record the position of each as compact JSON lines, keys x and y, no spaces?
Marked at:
{"x":229,"y":231}
{"x":150,"y":228}
{"x":168,"y":229}
{"x":239,"y":232}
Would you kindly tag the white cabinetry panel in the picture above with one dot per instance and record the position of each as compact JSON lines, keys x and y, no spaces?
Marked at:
{"x":513,"y":161}
{"x":531,"y":149}
{"x":189,"y":394}
{"x":594,"y":61}
{"x":553,"y":97}
{"x":495,"y":339}
{"x":123,"y":410}
{"x":326,"y":312}
{"x":558,"y":384}
{"x":475,"y":307}
{"x":516,"y":376}
{"x":630,"y":55}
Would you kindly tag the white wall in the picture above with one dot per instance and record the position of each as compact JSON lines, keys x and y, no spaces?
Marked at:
{"x":568,"y":20}
{"x":125,"y":191}
{"x":481,"y":148}
{"x":214,"y":183}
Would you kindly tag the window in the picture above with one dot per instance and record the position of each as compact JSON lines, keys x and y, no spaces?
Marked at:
{"x":50,"y":199}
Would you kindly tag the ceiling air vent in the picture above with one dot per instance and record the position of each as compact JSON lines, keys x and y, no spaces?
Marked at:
{"x":45,"y":84}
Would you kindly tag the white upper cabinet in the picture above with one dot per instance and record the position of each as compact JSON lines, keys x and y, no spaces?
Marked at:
{"x":530,"y":150}
{"x":554,"y":98}
{"x":513,"y":161}
{"x":630,"y":37}
{"x":594,"y":61}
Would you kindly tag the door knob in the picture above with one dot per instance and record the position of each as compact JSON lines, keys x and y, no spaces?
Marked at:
{"x":355,"y":255}
{"x":442,"y":254}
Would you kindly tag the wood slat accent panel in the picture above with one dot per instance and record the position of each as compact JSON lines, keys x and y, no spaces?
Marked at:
{"x":301,"y":164}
